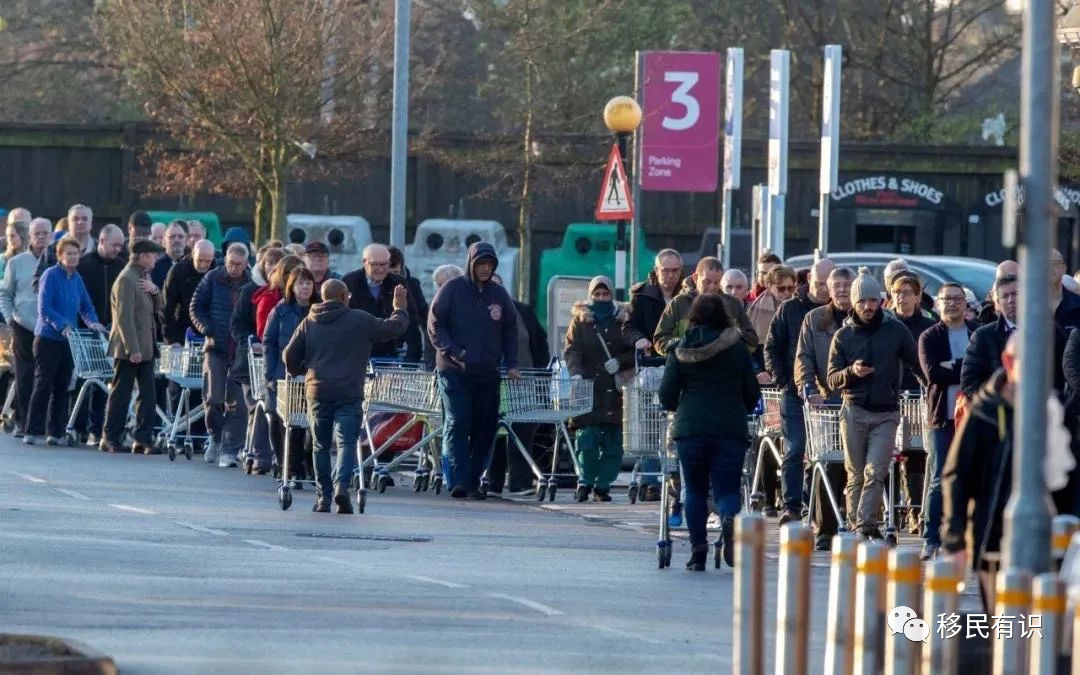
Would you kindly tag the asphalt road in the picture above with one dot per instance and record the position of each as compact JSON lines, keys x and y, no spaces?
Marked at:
{"x":183,"y":568}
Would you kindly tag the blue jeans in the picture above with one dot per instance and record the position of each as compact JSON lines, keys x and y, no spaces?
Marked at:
{"x":337,"y":423}
{"x":705,"y":460}
{"x":936,"y":452}
{"x":470,"y":422}
{"x":793,"y":427}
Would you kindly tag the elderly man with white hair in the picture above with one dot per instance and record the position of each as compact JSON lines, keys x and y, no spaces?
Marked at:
{"x":735,"y":284}
{"x":372,"y":289}
{"x":80,"y":221}
{"x":19,"y":215}
{"x":440,"y":276}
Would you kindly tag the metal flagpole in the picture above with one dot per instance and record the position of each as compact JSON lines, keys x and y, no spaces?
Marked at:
{"x":399,"y":151}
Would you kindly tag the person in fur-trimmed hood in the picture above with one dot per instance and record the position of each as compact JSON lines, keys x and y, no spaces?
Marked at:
{"x":600,"y":344}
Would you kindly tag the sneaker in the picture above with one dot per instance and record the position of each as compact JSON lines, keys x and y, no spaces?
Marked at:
{"x":226,"y":461}
{"x":213,"y":452}
{"x":108,"y":446}
{"x":93,"y":439}
{"x":788,"y":516}
{"x":713,"y":522}
{"x":145,"y":448}
{"x":29,"y":440}
{"x":675,"y":517}
{"x":52,"y":440}
{"x":342,"y":503}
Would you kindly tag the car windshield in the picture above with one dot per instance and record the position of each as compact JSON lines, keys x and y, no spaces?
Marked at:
{"x":976,"y":277}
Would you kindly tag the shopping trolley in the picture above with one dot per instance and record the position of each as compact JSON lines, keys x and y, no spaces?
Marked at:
{"x":257,"y":387}
{"x":93,"y":365}
{"x":394,"y":387}
{"x":824,"y":446}
{"x":910,"y":445}
{"x":185,"y":368}
{"x":541,"y":396}
{"x":669,"y":463}
{"x":641,"y":422}
{"x":766,"y":438}
{"x":291,"y":400}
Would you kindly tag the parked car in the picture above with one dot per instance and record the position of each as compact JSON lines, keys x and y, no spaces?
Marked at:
{"x":935,"y":270}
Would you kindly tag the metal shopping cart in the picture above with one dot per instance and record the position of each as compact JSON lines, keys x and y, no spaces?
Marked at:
{"x":257,"y":377}
{"x":824,"y":446}
{"x":93,"y":365}
{"x":541,"y":397}
{"x":185,"y":368}
{"x":643,"y":423}
{"x":909,"y":450}
{"x":669,"y":463}
{"x":291,"y":399}
{"x":766,"y":438}
{"x":394,"y":387}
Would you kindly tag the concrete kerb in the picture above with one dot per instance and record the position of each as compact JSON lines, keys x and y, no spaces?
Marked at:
{"x":69,"y":656}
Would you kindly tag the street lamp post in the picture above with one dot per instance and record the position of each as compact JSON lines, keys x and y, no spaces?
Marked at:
{"x":622,"y":115}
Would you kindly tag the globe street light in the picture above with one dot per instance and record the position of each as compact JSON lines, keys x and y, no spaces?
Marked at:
{"x":622,"y":115}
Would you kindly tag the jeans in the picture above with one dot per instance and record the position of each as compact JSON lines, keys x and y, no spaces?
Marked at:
{"x":869,"y":439}
{"x":936,"y":452}
{"x":126,"y":375}
{"x":22,"y":351}
{"x":470,"y":421}
{"x":52,"y":375}
{"x":599,"y":454}
{"x":337,"y":423}
{"x":226,"y":410}
{"x":705,"y":460}
{"x":793,"y":427}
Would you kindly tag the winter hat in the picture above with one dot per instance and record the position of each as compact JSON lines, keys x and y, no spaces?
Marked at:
{"x":865,"y":287}
{"x":894,"y":266}
{"x":600,"y":281}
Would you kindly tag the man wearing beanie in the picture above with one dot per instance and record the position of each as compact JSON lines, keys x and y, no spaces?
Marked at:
{"x":472,"y":325}
{"x":866,"y":361}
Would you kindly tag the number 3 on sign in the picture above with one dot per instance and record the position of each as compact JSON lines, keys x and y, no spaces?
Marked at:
{"x":682,"y":96}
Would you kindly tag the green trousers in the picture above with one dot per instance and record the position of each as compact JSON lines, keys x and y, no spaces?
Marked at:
{"x":599,"y":454}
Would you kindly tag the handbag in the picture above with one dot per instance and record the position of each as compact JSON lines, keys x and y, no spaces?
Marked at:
{"x":623,"y":378}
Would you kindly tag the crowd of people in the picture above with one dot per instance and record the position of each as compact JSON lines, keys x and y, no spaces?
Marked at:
{"x":824,"y":336}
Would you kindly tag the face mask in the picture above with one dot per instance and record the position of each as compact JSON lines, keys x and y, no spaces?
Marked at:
{"x":603,"y":309}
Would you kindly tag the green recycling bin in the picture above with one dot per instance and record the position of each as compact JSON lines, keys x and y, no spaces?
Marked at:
{"x":587,"y":249}
{"x":208,"y":219}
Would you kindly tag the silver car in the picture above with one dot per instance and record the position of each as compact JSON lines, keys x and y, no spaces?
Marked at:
{"x":935,"y":270}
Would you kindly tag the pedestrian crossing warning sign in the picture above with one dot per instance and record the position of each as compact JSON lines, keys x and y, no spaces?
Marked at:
{"x":614,"y":202}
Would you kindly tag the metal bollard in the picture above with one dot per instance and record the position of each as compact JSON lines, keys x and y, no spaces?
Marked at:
{"x":793,"y":599}
{"x":1062,"y":529}
{"x":1048,"y":603}
{"x":1013,"y":598}
{"x":839,"y":648}
{"x":749,"y":594}
{"x":869,"y":598}
{"x":905,"y":579}
{"x":941,"y":599}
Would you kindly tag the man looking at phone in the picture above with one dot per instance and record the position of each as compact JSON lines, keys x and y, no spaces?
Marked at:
{"x":866,"y":361}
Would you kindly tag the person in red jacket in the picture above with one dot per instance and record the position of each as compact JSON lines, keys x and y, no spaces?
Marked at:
{"x":265,"y":299}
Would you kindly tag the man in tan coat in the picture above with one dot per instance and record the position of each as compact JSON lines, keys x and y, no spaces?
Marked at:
{"x":131,"y":344}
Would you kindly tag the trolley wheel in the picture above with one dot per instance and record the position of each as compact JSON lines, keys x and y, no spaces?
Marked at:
{"x":718,"y":555}
{"x":381,"y":482}
{"x":418,"y":484}
{"x":541,"y":490}
{"x":438,"y":484}
{"x":373,"y":482}
{"x":425,"y":483}
{"x":71,"y":439}
{"x":249,"y":466}
{"x":189,"y":452}
{"x":172,"y":453}
{"x":361,"y":500}
{"x":631,"y":492}
{"x":667,"y":554}
{"x":284,"y":497}
{"x":551,"y":492}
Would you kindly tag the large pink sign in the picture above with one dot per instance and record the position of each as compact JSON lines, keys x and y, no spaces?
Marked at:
{"x":680,"y":133}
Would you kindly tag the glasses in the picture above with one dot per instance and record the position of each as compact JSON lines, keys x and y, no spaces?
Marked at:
{"x":784,"y":289}
{"x":956,"y":299}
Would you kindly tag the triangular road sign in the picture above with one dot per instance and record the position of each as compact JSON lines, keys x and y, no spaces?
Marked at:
{"x":614,"y":202}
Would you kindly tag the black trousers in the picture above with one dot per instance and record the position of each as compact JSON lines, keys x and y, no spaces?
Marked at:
{"x":22,"y":349}
{"x":506,"y":452}
{"x":52,"y":376}
{"x":125,"y":376}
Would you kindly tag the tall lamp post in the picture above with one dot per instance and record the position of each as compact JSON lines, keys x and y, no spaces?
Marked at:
{"x":622,"y":116}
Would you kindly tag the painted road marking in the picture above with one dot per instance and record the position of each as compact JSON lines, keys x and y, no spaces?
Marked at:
{"x":133,"y":509}
{"x":73,"y":494}
{"x":525,"y":602}
{"x":200,"y":528}
{"x":26,"y":476}
{"x":263,"y":544}
{"x":437,"y":582}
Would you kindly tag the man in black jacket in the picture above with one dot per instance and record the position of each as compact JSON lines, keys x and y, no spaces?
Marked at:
{"x":332,"y":335}
{"x":649,"y":298}
{"x":99,"y":270}
{"x":1064,"y":303}
{"x":371,"y":289}
{"x":780,"y":348}
{"x":180,"y":284}
{"x":175,"y":249}
{"x":941,"y":356}
{"x":417,"y":302}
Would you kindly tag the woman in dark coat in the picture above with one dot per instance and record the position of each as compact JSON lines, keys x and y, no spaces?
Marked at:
{"x":598,"y":346}
{"x":709,"y":382}
{"x":280,"y":326}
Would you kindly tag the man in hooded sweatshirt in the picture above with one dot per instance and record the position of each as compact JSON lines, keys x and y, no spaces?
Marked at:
{"x":329,"y":336}
{"x":472,"y":324}
{"x":866,"y":362}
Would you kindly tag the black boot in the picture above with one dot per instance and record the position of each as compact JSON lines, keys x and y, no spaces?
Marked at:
{"x":601,"y":495}
{"x":698,"y":556}
{"x":582,"y":494}
{"x":727,"y":533}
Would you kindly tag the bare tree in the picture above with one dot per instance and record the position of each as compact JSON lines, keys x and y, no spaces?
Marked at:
{"x":241,"y":88}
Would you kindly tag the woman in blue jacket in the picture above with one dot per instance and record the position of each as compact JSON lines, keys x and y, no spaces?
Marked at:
{"x":62,"y":300}
{"x":280,"y":326}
